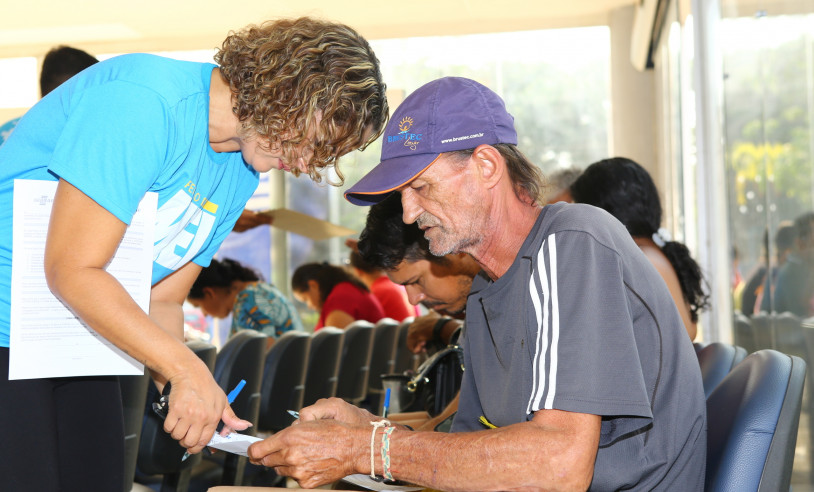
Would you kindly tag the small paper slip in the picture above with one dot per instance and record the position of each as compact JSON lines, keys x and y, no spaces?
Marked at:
{"x":234,"y":443}
{"x":47,"y":338}
{"x":368,"y":483}
{"x":305,"y":225}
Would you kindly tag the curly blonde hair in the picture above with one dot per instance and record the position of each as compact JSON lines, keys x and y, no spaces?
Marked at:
{"x":286,"y":75}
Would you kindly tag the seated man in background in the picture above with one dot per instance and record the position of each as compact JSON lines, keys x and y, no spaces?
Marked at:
{"x":579,"y":373}
{"x":440,"y":283}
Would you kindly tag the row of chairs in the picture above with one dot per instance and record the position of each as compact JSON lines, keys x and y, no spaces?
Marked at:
{"x":753,"y":411}
{"x":298,"y":370}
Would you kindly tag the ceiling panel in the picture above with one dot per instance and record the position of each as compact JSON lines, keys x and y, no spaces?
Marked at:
{"x":30,"y":28}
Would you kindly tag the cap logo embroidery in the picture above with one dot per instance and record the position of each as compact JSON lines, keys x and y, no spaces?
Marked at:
{"x":410,"y":139}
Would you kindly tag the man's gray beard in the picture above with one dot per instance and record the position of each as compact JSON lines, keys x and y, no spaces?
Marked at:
{"x":452,"y":248}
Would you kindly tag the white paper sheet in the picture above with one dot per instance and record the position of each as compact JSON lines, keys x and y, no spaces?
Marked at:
{"x":368,"y":483}
{"x":234,"y":443}
{"x":47,"y":339}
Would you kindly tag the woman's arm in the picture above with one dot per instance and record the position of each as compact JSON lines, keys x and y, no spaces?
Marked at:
{"x":339,"y":319}
{"x":82,"y":238}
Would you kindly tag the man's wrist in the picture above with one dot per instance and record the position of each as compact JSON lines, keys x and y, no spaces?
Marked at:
{"x":437,"y":330}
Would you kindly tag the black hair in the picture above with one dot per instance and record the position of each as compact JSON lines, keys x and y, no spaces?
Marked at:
{"x":327,"y":277}
{"x":221,"y":274}
{"x":62,"y":63}
{"x":386,"y":240}
{"x":357,"y":261}
{"x":625,"y":189}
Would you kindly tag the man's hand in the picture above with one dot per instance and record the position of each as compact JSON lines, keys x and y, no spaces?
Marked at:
{"x":250,"y":219}
{"x":420,"y":332}
{"x":315,"y":452}
{"x":336,"y":409}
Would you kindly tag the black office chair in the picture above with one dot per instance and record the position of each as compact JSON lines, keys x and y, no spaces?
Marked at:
{"x":283,"y":384}
{"x":382,"y":362}
{"x":788,"y":334}
{"x":752,"y":419}
{"x":159,"y":455}
{"x":134,"y":396}
{"x":763,"y":326}
{"x":354,"y":365}
{"x":405,"y":360}
{"x":744,"y":333}
{"x":241,"y":358}
{"x":323,"y":364}
{"x":716,"y":361}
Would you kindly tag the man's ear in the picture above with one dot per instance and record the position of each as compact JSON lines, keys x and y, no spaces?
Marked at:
{"x":490,"y":164}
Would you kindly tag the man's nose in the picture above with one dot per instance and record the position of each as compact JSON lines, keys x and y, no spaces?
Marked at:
{"x":409,"y":205}
{"x":414,"y":294}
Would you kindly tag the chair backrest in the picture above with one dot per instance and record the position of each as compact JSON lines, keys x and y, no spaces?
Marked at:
{"x":354,"y":366}
{"x":744,"y":332}
{"x":241,"y":357}
{"x":283,"y":384}
{"x":323,"y":364}
{"x":716,"y":361}
{"x":788,"y":334}
{"x":134,"y":395}
{"x":752,"y":419}
{"x":762,"y":324}
{"x":405,"y":360}
{"x":385,"y":337}
{"x":158,"y":452}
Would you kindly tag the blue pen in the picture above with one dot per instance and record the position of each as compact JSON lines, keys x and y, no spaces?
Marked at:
{"x":231,"y":399}
{"x":386,"y":405}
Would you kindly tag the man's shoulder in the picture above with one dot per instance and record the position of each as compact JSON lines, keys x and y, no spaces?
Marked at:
{"x":559,"y":218}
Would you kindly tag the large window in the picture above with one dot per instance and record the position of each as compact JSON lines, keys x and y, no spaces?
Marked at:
{"x":554,"y":82}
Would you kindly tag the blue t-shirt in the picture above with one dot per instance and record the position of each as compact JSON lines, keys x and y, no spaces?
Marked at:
{"x":6,"y":129}
{"x":123,"y":127}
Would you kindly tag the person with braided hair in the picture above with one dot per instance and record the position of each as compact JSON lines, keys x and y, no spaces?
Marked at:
{"x":625,"y":189}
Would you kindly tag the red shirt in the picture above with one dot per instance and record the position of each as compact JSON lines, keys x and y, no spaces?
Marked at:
{"x":358,"y":303}
{"x":393,"y":298}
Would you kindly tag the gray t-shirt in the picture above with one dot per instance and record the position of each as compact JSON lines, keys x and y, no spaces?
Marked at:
{"x":582,"y":322}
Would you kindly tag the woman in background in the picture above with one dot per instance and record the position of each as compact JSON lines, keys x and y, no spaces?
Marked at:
{"x":626,"y":190}
{"x":339,"y":297}
{"x":227,"y":287}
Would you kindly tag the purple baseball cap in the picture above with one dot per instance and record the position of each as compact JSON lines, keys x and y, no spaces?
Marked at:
{"x":447,"y":114}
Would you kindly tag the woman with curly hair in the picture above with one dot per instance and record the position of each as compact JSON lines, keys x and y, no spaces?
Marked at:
{"x":291,"y":95}
{"x":625,"y":189}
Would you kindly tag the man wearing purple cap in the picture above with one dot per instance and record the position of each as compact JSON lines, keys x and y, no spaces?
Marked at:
{"x":579,"y":373}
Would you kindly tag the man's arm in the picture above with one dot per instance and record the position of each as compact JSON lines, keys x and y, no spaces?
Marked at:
{"x":421,"y":331}
{"x":555,"y":450}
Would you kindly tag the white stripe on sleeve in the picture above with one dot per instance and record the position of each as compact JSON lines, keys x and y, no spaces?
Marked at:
{"x":539,"y":300}
{"x":555,"y":324}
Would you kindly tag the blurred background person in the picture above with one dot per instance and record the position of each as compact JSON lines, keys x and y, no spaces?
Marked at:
{"x":757,"y":282}
{"x":625,"y":189}
{"x":59,"y":65}
{"x":391,"y":296}
{"x":793,"y":289}
{"x":226,"y":287}
{"x":558,"y":185}
{"x":337,"y":295}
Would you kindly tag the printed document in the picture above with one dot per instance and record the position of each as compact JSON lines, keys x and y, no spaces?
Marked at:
{"x":47,"y":339}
